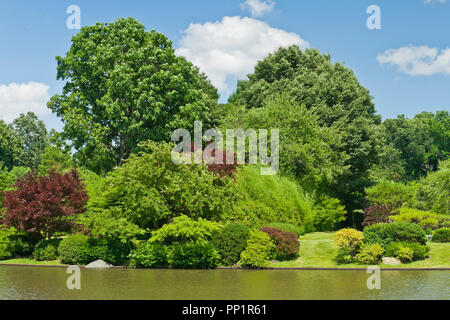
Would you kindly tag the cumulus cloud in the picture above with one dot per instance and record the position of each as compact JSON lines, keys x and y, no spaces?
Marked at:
{"x":231,"y":47}
{"x":417,"y":61}
{"x":258,"y":8}
{"x":17,"y":98}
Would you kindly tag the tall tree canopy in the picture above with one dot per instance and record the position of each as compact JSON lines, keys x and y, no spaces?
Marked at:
{"x":334,"y":94}
{"x":34,"y":136}
{"x":125,"y":85}
{"x":421,"y":142}
{"x":11,"y":150}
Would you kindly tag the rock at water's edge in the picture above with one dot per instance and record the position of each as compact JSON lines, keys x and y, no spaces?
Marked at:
{"x":99,"y":264}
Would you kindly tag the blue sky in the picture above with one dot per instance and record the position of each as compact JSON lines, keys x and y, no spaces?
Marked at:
{"x":405,"y":64}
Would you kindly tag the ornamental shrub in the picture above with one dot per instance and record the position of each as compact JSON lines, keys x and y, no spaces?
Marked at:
{"x":110,"y":250}
{"x":328,"y":214}
{"x":405,"y":254}
{"x":230,"y":242}
{"x":14,"y":243}
{"x":442,"y":235}
{"x":193,"y":256}
{"x":348,"y":242}
{"x":420,"y":252}
{"x":259,"y":250}
{"x":370,"y":253}
{"x":426,"y":219}
{"x":75,"y":250}
{"x":385,"y":233}
{"x":148,"y":255}
{"x":287,"y":227}
{"x":286,"y":243}
{"x":46,"y":250}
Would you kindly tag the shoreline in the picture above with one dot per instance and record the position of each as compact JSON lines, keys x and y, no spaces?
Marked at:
{"x":233,"y":268}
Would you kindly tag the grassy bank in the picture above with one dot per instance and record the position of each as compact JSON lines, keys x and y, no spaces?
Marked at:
{"x":30,"y":261}
{"x":317,"y":251}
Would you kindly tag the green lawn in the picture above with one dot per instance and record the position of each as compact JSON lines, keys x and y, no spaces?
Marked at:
{"x":30,"y":261}
{"x":317,"y":251}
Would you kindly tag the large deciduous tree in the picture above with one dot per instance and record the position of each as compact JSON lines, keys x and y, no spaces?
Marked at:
{"x":11,"y":151}
{"x":45,"y":205}
{"x":34,"y":136}
{"x":125,"y":85}
{"x":337,"y":98}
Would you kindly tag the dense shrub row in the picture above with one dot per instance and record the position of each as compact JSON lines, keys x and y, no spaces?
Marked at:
{"x":442,"y":235}
{"x":385,"y":233}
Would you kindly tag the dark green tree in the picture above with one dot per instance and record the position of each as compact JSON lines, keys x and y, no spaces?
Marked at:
{"x":11,"y":151}
{"x":337,"y":98}
{"x":125,"y":85}
{"x":34,"y":136}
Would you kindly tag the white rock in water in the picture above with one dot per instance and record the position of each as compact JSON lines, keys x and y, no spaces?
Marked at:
{"x":99,"y":264}
{"x":391,"y":261}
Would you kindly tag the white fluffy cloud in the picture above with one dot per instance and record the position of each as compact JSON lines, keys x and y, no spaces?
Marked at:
{"x":231,"y":47}
{"x":417,"y":61}
{"x":17,"y":98}
{"x":258,"y":8}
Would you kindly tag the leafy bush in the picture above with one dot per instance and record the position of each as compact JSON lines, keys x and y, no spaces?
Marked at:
{"x":268,"y":199}
{"x":287,"y":227}
{"x":148,"y":255}
{"x":46,"y":250}
{"x":14,"y":243}
{"x":385,"y":233}
{"x":75,"y":250}
{"x":442,"y":235}
{"x":377,"y":213}
{"x":259,"y":250}
{"x":183,"y":229}
{"x":388,"y":193}
{"x":328,"y":214}
{"x":110,"y":250}
{"x":348,"y":242}
{"x":230,"y":242}
{"x":426,"y":219}
{"x":419,"y":251}
{"x":286,"y":243}
{"x":370,"y":253}
{"x":405,"y":254}
{"x":193,"y":256}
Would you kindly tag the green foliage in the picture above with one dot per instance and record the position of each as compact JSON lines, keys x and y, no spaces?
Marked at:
{"x":305,"y":148}
{"x":11,"y":147}
{"x":287,"y":227}
{"x":75,"y":250}
{"x":385,"y":233}
{"x":110,"y":250}
{"x":389,"y":193}
{"x":259,"y":250}
{"x":230,"y":242}
{"x":340,"y":102}
{"x":370,"y":254}
{"x":193,"y":256}
{"x":148,"y":255}
{"x":56,"y":159}
{"x":423,"y":141}
{"x":35,"y":138}
{"x":427,"y":220}
{"x":268,"y":199}
{"x":149,"y":189}
{"x":125,"y":85}
{"x":347,"y":241}
{"x":287,"y":245}
{"x":433,"y":192}
{"x":8,"y":178}
{"x":14,"y":243}
{"x":442,"y":235}
{"x":328,"y":214}
{"x":398,"y":250}
{"x":46,"y":250}
{"x":185,"y":230}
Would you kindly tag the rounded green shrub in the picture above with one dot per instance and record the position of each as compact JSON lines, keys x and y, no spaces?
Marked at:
{"x":419,"y":251}
{"x":370,"y":254}
{"x":405,"y":254}
{"x":347,"y":241}
{"x":112,"y":251}
{"x":442,"y":235}
{"x":148,"y":255}
{"x":286,"y":243}
{"x":75,"y":250}
{"x":385,"y":233}
{"x":259,"y":250}
{"x":14,"y":243}
{"x":46,"y":250}
{"x":193,"y":256}
{"x":230,"y":242}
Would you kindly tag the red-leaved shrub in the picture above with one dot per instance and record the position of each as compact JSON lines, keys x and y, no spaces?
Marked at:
{"x":287,"y":243}
{"x":377,"y":213}
{"x":45,"y":205}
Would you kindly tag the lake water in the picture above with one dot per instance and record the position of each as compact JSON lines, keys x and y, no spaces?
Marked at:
{"x":50,"y":283}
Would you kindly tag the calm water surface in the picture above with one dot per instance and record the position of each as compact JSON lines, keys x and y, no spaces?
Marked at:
{"x":50,"y":283}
